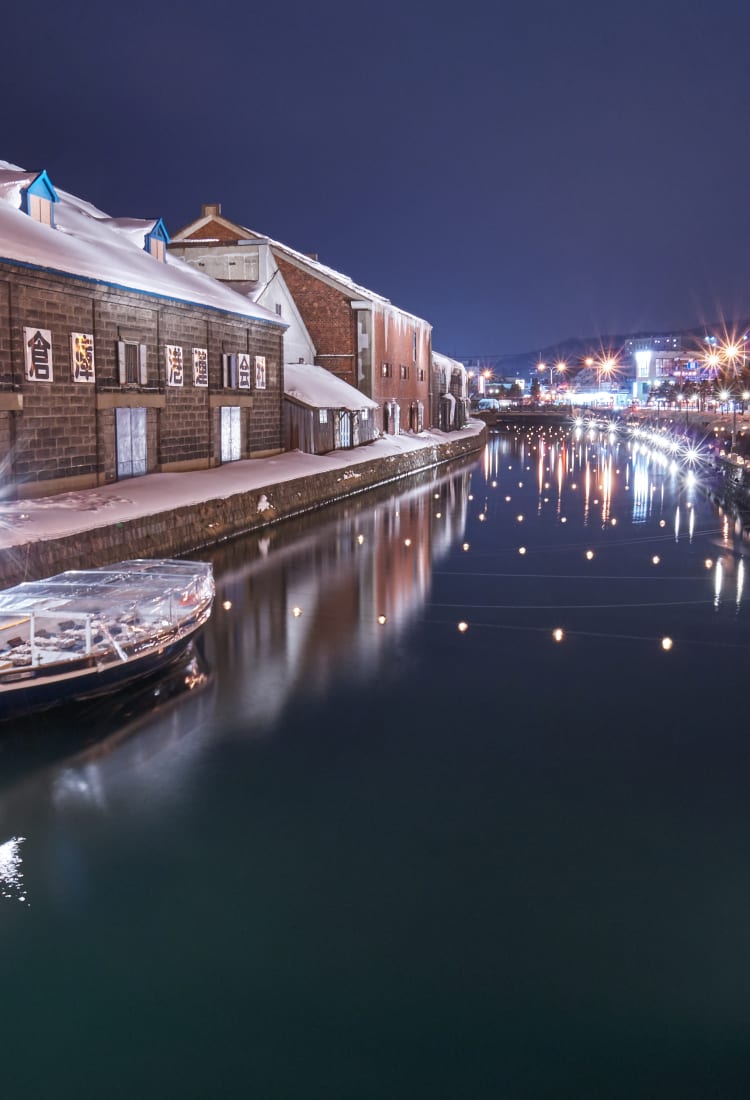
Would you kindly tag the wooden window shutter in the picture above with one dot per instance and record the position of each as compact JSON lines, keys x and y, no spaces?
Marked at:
{"x":121,"y":364}
{"x":229,"y":365}
{"x":142,"y":367}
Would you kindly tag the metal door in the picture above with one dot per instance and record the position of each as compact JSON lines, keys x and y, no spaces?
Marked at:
{"x":230,"y":433}
{"x":130,"y":430}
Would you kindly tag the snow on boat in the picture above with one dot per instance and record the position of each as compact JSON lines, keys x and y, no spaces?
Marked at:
{"x":84,"y":632}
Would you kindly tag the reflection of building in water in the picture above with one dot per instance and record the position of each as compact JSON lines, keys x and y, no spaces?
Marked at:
{"x":330,"y":597}
{"x":140,"y":745}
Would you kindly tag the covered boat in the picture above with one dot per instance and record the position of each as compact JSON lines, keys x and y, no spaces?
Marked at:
{"x":84,"y":632}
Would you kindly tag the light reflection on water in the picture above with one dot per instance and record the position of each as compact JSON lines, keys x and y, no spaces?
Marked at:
{"x":419,"y":772}
{"x":11,"y":875}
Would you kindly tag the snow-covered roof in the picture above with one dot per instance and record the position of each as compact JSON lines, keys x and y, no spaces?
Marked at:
{"x":88,"y":243}
{"x":445,"y":361}
{"x":317,"y":387}
{"x":344,"y":281}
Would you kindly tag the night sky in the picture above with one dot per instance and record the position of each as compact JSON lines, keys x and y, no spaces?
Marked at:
{"x":514,"y":172}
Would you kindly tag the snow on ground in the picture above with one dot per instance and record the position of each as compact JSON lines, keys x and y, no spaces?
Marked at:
{"x":23,"y":521}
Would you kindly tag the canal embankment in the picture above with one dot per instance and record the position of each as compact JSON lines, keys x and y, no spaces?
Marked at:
{"x":165,"y":515}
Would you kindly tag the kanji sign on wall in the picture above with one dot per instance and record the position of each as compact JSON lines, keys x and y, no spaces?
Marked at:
{"x":175,"y":372}
{"x":200,"y":367}
{"x":82,"y":356}
{"x":243,"y":367}
{"x":37,"y":350}
{"x":260,"y":372}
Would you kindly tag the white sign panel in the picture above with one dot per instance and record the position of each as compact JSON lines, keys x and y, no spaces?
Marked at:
{"x":37,"y":350}
{"x":200,"y":366}
{"x":175,"y":371}
{"x":82,"y":356}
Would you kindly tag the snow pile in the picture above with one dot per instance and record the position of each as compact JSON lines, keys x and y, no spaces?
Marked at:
{"x":86,"y":242}
{"x":317,"y":387}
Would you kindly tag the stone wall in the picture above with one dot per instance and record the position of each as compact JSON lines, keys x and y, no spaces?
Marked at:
{"x":60,"y":434}
{"x":185,"y":529}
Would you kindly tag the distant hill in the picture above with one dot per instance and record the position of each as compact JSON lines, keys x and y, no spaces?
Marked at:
{"x":574,"y":349}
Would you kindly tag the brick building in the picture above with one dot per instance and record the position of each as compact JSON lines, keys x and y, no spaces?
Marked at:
{"x":356,"y":334}
{"x":117,"y":359}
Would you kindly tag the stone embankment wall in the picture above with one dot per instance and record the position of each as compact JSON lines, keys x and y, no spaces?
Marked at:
{"x":189,"y":528}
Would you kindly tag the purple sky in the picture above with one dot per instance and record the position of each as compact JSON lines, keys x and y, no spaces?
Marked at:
{"x":514,"y":172}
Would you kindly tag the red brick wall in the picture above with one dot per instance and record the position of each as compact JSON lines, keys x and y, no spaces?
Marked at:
{"x":394,"y":344}
{"x":329,"y":319}
{"x":332,"y":325}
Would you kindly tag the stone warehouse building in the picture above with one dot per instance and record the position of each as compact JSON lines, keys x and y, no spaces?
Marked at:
{"x":358,"y":335}
{"x":116,"y":358}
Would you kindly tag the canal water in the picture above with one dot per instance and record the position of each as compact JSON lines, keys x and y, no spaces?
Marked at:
{"x":453,"y":803}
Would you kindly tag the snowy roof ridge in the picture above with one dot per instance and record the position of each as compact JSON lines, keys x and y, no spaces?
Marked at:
{"x":446,"y":360}
{"x":315,"y":386}
{"x":88,"y":243}
{"x":344,"y":280}
{"x":294,"y":254}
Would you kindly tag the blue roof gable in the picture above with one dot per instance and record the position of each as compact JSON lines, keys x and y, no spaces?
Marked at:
{"x":41,"y":186}
{"x":158,"y":233}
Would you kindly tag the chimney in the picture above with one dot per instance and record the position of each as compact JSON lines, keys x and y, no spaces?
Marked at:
{"x":210,"y":209}
{"x":312,"y":256}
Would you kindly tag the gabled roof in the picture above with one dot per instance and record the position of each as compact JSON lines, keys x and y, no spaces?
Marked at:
{"x":89,"y":244}
{"x":210,"y":228}
{"x":217,"y":229}
{"x":42,"y":185}
{"x":445,"y":361}
{"x":320,"y":389}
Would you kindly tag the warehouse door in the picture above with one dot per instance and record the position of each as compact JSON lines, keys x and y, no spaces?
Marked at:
{"x":130,"y":430}
{"x":230,"y":433}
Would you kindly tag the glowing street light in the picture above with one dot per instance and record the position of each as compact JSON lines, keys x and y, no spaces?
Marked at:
{"x":713,"y":362}
{"x":731,"y":353}
{"x":542,"y":367}
{"x":604,"y":367}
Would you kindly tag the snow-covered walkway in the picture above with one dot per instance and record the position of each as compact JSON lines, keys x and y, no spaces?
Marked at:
{"x":24,"y":521}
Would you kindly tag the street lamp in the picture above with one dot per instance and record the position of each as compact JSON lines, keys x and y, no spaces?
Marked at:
{"x":542,"y":367}
{"x":604,"y":367}
{"x":731,"y":353}
{"x":560,"y":366}
{"x":725,"y":396}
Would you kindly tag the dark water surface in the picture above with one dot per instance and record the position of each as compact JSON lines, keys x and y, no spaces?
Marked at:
{"x":344,"y":858}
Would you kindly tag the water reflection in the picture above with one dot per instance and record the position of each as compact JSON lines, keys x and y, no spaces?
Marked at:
{"x":295,"y":609}
{"x":298,"y":613}
{"x":511,"y":754}
{"x":327,"y":599}
{"x":11,"y":875}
